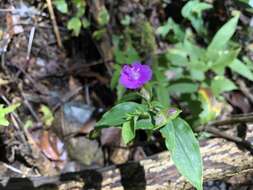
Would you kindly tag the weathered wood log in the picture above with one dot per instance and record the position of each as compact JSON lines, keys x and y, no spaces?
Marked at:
{"x":221,"y":158}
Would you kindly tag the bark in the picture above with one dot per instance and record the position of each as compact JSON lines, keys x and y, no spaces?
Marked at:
{"x":221,"y":159}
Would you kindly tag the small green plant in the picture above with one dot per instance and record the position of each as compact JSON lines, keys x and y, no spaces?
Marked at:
{"x":76,"y":10}
{"x":153,"y":116}
{"x":4,"y":111}
{"x":77,"y":19}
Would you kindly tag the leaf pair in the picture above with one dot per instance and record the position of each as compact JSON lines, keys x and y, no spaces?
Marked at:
{"x":120,"y":113}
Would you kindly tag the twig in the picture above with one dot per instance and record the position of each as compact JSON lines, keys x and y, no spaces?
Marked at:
{"x":87,"y":95}
{"x":67,"y":97}
{"x":6,"y":10}
{"x":13,"y":169}
{"x":29,"y":48}
{"x":3,"y":65}
{"x":242,"y":118}
{"x":229,"y":121}
{"x":29,"y":106}
{"x":233,"y":120}
{"x":243,"y":115}
{"x":73,"y":69}
{"x":55,"y":26}
{"x":224,"y":135}
{"x":245,"y":90}
{"x":40,"y":88}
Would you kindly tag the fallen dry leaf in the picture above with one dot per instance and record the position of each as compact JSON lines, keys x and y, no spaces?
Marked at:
{"x":47,"y":147}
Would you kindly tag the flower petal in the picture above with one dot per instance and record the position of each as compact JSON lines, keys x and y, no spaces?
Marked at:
{"x":131,"y":84}
{"x":134,"y":76}
{"x":145,"y":73}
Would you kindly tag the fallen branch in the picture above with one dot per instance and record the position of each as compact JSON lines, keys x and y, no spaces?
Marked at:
{"x":221,"y":159}
{"x":211,"y":127}
{"x":243,"y":118}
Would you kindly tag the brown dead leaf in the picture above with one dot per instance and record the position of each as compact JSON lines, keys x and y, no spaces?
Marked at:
{"x":237,"y":99}
{"x":48,"y":148}
{"x":13,"y":24}
{"x":110,"y":136}
{"x":88,"y":126}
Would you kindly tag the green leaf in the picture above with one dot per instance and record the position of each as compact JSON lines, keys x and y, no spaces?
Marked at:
{"x":177,"y":56}
{"x":242,"y":69}
{"x":183,"y":87}
{"x":4,"y":122}
{"x":197,"y":74}
{"x":61,"y":5}
{"x":28,"y":124}
{"x":98,"y":34}
{"x":244,"y":1}
{"x":8,"y":109}
{"x":115,"y":76}
{"x":145,"y":124}
{"x":120,"y":114}
{"x":248,"y":62}
{"x":168,"y":132}
{"x":74,"y":24}
{"x":80,"y":12}
{"x":185,"y":152}
{"x":103,"y":17}
{"x":222,"y":37}
{"x":128,"y":130}
{"x":121,"y":90}
{"x":194,"y":8}
{"x":163,"y":94}
{"x":194,"y":51}
{"x":196,"y":66}
{"x":224,"y":59}
{"x":47,"y":115}
{"x":221,"y":84}
{"x":126,"y":20}
{"x":146,"y":92}
{"x":5,"y":111}
{"x":129,"y":96}
{"x":193,"y":11}
{"x":85,"y":23}
{"x":170,"y":25}
{"x":79,"y":3}
{"x":165,"y":116}
{"x":126,"y":57}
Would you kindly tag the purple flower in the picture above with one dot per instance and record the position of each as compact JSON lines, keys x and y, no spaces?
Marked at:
{"x":135,"y":75}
